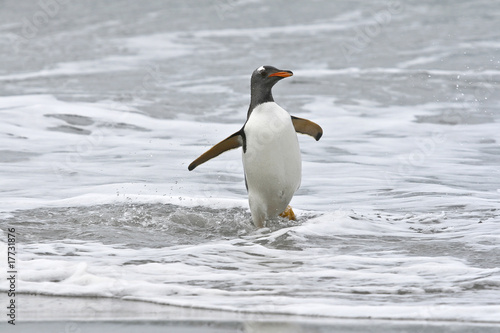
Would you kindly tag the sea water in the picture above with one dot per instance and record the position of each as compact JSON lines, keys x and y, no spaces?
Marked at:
{"x":104,"y":105}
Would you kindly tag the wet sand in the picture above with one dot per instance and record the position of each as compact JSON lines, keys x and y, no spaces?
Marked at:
{"x":36,"y":313}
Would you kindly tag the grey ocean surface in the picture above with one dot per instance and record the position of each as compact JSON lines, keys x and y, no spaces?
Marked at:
{"x":103,"y":105}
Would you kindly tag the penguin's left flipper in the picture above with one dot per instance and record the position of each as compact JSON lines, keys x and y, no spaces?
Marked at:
{"x":233,"y":141}
{"x":308,"y":127}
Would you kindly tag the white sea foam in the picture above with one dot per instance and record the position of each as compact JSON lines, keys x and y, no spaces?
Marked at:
{"x":236,"y":270}
{"x":310,"y":282}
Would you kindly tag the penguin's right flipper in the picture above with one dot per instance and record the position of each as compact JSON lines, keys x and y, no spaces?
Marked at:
{"x":233,"y":141}
{"x":308,"y":127}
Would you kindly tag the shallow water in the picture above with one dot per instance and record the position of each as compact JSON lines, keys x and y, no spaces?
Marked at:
{"x":105,"y":105}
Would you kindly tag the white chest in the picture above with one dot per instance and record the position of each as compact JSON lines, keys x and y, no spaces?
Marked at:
{"x":270,"y":129}
{"x":272,"y":156}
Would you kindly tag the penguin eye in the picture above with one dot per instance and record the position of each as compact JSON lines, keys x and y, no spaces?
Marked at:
{"x":263,"y":73}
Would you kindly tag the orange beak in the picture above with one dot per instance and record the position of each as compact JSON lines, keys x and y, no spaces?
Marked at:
{"x":282,"y":74}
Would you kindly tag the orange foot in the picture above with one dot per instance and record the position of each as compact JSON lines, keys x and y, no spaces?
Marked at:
{"x":289,"y":213}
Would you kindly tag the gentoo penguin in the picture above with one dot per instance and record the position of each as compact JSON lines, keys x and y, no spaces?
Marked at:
{"x":271,"y":153}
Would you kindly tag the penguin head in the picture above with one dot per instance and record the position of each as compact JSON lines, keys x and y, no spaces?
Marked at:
{"x":265,"y":77}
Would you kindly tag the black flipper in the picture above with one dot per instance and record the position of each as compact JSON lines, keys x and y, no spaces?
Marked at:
{"x":308,"y":127}
{"x":233,"y":141}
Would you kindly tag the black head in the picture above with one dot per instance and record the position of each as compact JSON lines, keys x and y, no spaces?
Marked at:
{"x":263,"y":79}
